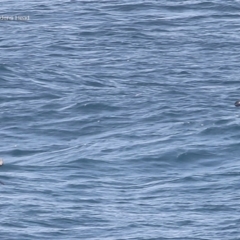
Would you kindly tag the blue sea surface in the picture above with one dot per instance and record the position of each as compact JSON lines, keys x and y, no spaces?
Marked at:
{"x":117,"y":120}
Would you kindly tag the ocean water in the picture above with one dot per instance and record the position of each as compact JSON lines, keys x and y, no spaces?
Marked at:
{"x":117,"y":119}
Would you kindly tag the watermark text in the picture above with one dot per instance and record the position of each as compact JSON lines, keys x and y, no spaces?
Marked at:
{"x":14,"y":18}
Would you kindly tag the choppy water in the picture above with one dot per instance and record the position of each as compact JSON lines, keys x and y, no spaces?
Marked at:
{"x":117,"y":120}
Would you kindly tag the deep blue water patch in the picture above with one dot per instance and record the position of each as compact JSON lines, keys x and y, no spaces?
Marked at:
{"x":118,"y":121}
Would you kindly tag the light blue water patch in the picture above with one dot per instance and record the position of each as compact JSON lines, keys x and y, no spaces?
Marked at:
{"x":118,"y":120}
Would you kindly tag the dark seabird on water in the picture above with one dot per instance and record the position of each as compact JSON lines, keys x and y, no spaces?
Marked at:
{"x":237,"y":103}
